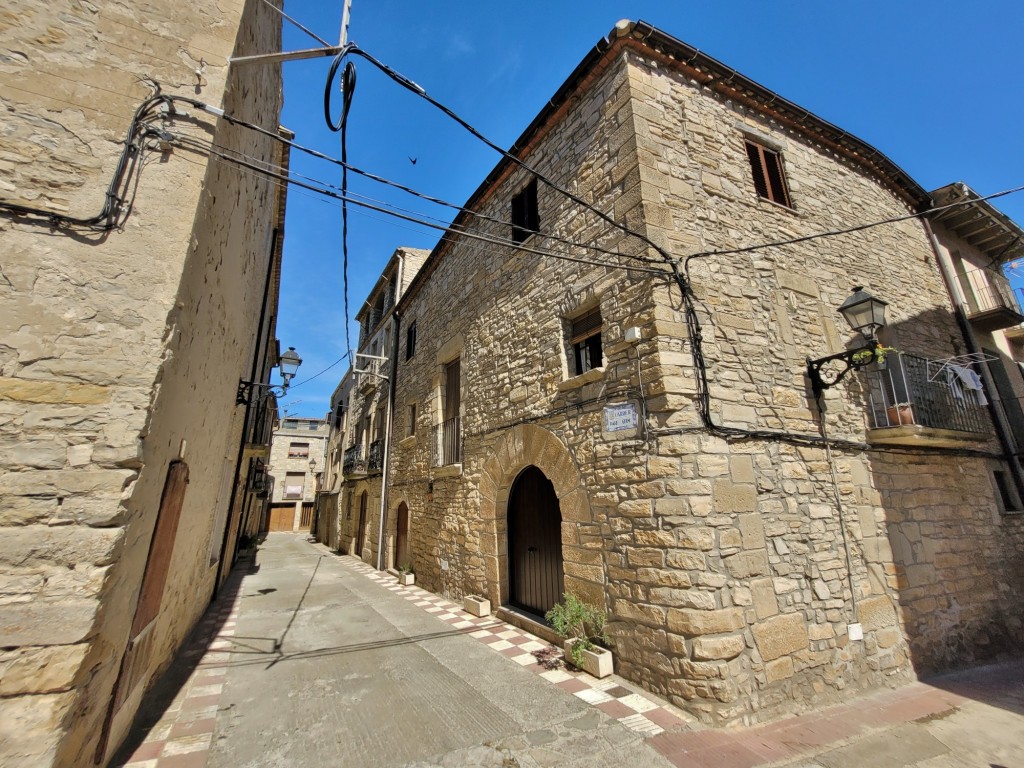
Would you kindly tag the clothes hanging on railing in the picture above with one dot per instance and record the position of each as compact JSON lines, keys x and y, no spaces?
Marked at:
{"x":960,"y":378}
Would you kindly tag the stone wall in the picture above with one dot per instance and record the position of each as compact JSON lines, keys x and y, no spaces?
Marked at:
{"x":122,"y":350}
{"x":729,"y":569}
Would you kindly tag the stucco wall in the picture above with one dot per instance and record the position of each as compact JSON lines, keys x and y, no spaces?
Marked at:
{"x":121,"y":351}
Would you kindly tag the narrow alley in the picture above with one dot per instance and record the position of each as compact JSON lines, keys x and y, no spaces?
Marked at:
{"x":311,"y":658}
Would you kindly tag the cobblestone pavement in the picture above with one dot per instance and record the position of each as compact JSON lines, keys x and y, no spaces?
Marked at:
{"x":311,"y":658}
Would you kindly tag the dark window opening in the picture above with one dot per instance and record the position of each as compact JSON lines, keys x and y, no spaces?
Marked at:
{"x":769,"y":177}
{"x":525,"y":216}
{"x":410,"y":340}
{"x":412,"y":419}
{"x":585,"y":339}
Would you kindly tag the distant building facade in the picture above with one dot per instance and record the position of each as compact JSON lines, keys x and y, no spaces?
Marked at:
{"x":363,"y":417}
{"x":641,"y":432}
{"x":138,"y":288}
{"x":297,"y":462}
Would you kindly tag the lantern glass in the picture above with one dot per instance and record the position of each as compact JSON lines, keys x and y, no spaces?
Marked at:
{"x":289,"y":364}
{"x":864,"y":313}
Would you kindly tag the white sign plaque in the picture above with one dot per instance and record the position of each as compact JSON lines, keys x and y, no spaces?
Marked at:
{"x":620,"y":417}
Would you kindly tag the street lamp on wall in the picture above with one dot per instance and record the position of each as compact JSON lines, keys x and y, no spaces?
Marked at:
{"x":866,"y":315}
{"x":287,"y":365}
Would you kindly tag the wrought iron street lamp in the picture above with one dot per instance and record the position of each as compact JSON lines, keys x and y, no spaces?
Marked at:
{"x":866,"y":315}
{"x":287,"y":365}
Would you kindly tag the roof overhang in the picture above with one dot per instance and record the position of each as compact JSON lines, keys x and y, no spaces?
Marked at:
{"x":978,"y":223}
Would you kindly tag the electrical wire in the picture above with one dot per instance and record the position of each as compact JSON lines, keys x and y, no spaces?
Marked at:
{"x":495,"y":240}
{"x":374,"y":177}
{"x":352,"y":48}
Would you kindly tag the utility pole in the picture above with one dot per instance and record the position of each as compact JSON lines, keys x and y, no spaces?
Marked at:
{"x":346,"y":14}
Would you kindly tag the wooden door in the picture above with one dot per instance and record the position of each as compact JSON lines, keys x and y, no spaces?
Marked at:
{"x":282,"y":517}
{"x":536,"y":580}
{"x":402,"y":558}
{"x":361,"y":531}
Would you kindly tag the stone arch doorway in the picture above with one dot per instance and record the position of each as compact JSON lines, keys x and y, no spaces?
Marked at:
{"x":581,"y":534}
{"x":535,"y":572}
{"x":402,"y":554}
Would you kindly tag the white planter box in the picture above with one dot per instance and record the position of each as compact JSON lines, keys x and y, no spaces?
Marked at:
{"x":407,"y":579}
{"x":476,"y":605}
{"x":598,"y":662}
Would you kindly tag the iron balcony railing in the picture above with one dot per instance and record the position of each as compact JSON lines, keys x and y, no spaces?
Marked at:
{"x":913,"y":390}
{"x":354,"y":461}
{"x":986,"y":290}
{"x":447,"y":443}
{"x":375,"y":456}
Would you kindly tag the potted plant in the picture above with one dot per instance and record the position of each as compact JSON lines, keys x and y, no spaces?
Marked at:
{"x":476,"y":605}
{"x":583,"y":626}
{"x":406,"y":575}
{"x":900,"y":414}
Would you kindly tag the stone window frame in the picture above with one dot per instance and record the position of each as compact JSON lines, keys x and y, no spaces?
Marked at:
{"x":770,"y":156}
{"x":451,"y":350}
{"x":572,"y":378}
{"x":295,"y":450}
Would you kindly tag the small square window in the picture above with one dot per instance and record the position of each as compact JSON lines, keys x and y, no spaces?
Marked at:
{"x":585,"y":340}
{"x":769,"y":176}
{"x":410,"y":340}
{"x":525,"y":215}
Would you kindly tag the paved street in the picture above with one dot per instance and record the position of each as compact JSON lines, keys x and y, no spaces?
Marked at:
{"x":309,"y":658}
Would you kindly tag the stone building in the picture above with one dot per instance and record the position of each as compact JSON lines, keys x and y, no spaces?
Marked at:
{"x":138,"y":283}
{"x":363,"y":418}
{"x":328,"y":503}
{"x":617,"y":404}
{"x":297,"y":459}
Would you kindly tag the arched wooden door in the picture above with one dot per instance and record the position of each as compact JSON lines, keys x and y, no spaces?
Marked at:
{"x":536,"y":581}
{"x":361,"y":530}
{"x":402,"y":558}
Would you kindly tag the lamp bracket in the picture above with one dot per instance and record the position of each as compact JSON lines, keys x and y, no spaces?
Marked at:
{"x":246,"y":389}
{"x":828,"y":371}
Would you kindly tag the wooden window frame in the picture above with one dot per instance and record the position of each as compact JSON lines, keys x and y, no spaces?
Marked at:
{"x":585,"y":341}
{"x":769,"y":173}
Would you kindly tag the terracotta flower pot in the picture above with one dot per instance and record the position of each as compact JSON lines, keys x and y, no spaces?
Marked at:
{"x":899,"y":415}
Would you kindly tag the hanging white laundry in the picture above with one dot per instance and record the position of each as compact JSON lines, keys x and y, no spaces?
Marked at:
{"x":970,"y":380}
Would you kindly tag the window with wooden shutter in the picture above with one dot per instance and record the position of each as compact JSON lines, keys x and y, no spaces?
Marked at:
{"x":585,"y":340}
{"x":769,"y":176}
{"x":525,"y":215}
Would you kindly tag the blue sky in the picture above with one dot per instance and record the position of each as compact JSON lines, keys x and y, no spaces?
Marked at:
{"x":935,"y":86}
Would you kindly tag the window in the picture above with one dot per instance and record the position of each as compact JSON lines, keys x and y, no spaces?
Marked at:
{"x":769,"y":178}
{"x":410,"y":340}
{"x":290,"y":424}
{"x":412,"y":419}
{"x":525,"y":216}
{"x":585,"y":340}
{"x":298,"y":450}
{"x":293,"y":484}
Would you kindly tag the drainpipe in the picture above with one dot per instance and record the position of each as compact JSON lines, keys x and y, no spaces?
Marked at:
{"x":388,"y":423}
{"x":953,"y":288}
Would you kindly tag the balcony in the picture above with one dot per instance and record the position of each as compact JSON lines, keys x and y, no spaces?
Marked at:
{"x":991,"y":304}
{"x":373,"y":372}
{"x":355,"y":462}
{"x":374,"y":458}
{"x":915,"y":401}
{"x":447,"y":443}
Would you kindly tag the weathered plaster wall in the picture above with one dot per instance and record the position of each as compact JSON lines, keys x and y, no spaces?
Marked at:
{"x":116,"y":348}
